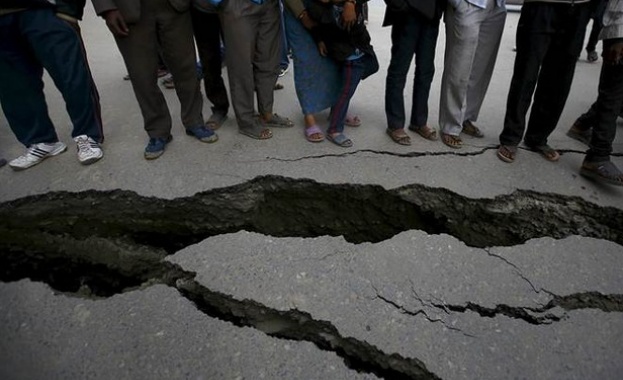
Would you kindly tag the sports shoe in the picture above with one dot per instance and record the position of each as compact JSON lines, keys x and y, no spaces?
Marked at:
{"x":155,"y":147}
{"x":283,"y":71}
{"x":203,"y":134}
{"x":37,"y":153}
{"x":89,"y":150}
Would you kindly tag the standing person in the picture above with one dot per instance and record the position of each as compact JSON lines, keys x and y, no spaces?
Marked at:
{"x":415,"y":26}
{"x":473,"y":34}
{"x":252,"y":30}
{"x":597,"y":164}
{"x":207,"y":30}
{"x":549,"y":41}
{"x":32,"y":38}
{"x":317,"y":79}
{"x":141,"y":28}
{"x":349,"y":45}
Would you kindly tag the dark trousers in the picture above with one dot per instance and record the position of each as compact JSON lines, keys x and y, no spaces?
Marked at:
{"x":549,"y":42}
{"x":412,"y":34}
{"x":207,"y":30}
{"x":162,"y":30}
{"x":606,"y":110}
{"x":353,"y":72}
{"x":30,"y":41}
{"x":597,"y":17}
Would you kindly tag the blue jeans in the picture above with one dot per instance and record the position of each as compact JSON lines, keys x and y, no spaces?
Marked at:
{"x":412,"y":34}
{"x":30,"y":41}
{"x":353,"y":72}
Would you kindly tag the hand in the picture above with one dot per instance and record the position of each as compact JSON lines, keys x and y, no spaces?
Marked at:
{"x":116,"y":23}
{"x":322,"y":49}
{"x":307,"y":21}
{"x":613,"y":53}
{"x":349,"y":16}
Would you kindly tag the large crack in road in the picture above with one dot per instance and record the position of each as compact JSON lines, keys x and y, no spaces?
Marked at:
{"x":97,"y":244}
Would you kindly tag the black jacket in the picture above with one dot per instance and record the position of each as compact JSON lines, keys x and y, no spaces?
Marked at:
{"x":340,"y":43}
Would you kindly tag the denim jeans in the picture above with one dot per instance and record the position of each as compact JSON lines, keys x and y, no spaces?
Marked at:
{"x":412,"y":34}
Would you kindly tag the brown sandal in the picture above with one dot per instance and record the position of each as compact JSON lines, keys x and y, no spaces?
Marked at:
{"x":549,"y":153}
{"x":471,"y":130}
{"x":452,"y":141}
{"x":399,"y":136}
{"x":507,"y":153}
{"x":425,"y":131}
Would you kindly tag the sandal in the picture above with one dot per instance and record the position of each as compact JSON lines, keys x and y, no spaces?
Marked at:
{"x":471,"y":130}
{"x":579,"y":134}
{"x":452,"y":141}
{"x":277,"y":121}
{"x":256,"y":131}
{"x":507,"y":153}
{"x":216,"y":120}
{"x":425,"y":131}
{"x":314,"y":134}
{"x":352,"y":121}
{"x":605,"y":172}
{"x":549,"y":153}
{"x":340,"y":140}
{"x":399,"y":136}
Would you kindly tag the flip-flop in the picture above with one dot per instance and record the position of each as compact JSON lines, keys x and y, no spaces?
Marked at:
{"x":549,"y":153}
{"x":352,"y":121}
{"x":471,"y":130}
{"x":399,"y":136}
{"x":216,"y":120}
{"x":340,"y":140}
{"x":507,"y":153}
{"x":312,"y":131}
{"x":257,"y":132}
{"x":425,"y":131}
{"x":277,"y":121}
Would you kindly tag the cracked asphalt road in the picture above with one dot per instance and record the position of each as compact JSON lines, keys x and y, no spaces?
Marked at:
{"x":439,"y":278}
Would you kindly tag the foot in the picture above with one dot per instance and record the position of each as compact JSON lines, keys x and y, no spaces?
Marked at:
{"x":425,"y":131}
{"x":216,"y":120}
{"x":37,"y":153}
{"x":283,"y":71}
{"x":471,"y":130}
{"x":507,"y":153}
{"x":276,"y":121}
{"x":168,"y":82}
{"x":314,"y":134}
{"x":89,"y":150}
{"x":203,"y":134}
{"x":549,"y":153}
{"x":399,"y":136}
{"x":452,"y":141}
{"x":256,"y":131}
{"x":580,"y":133}
{"x":604,"y":171}
{"x":592,"y":56}
{"x":339,"y":139}
{"x":352,"y":121}
{"x":155,"y":147}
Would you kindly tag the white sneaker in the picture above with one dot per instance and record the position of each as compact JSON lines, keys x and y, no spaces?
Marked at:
{"x":37,"y":153}
{"x":89,"y":150}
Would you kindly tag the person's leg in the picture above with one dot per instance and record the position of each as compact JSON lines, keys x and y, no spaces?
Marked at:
{"x":489,"y":38}
{"x":607,"y":108}
{"x":556,"y":74}
{"x":58,"y":46}
{"x":266,"y":60}
{"x":207,"y":30}
{"x":140,"y":53}
{"x":404,"y":38}
{"x":21,"y":93}
{"x":178,"y":50}
{"x":533,"y":41}
{"x":352,"y":72}
{"x":285,"y":61}
{"x":424,"y":70}
{"x":462,"y":25}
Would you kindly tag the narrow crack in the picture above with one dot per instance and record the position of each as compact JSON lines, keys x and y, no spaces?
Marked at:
{"x":387,"y":153}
